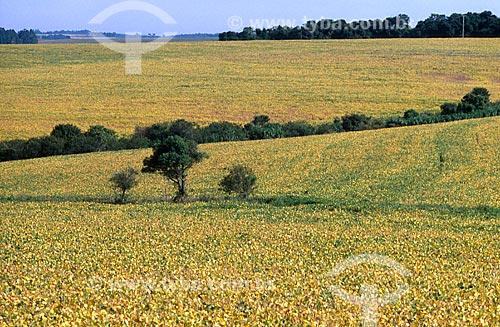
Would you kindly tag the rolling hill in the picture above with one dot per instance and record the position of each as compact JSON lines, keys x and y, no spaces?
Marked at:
{"x":427,"y":197}
{"x":44,"y":85}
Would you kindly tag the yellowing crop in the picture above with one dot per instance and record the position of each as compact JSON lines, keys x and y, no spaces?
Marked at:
{"x":43,"y":85}
{"x":69,"y":258}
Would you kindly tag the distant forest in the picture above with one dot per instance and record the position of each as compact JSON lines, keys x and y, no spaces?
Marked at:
{"x":483,"y":24}
{"x":13,"y":37}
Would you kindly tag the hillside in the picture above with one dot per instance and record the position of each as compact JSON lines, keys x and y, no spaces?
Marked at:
{"x":374,"y":167}
{"x":44,"y":85}
{"x":321,"y":200}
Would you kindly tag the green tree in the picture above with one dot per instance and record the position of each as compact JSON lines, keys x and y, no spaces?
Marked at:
{"x":356,"y":122}
{"x":44,"y":146}
{"x":261,"y":120}
{"x":123,"y":181}
{"x":66,"y":131}
{"x":240,"y":180}
{"x":221,"y":132}
{"x":27,"y":37}
{"x":173,"y":158}
{"x":412,"y":113}
{"x":248,"y":34}
{"x":298,"y":128}
{"x":449,"y":108}
{"x":478,"y":99}
{"x":103,"y":139}
{"x":184,"y":129}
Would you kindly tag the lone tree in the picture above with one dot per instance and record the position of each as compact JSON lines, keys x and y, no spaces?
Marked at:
{"x":240,"y":180}
{"x":123,"y":181}
{"x":172,"y":158}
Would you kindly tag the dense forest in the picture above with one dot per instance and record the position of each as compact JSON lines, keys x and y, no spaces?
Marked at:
{"x":13,"y":37}
{"x":484,"y":24}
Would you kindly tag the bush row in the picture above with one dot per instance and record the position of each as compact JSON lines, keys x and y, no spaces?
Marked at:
{"x":69,"y":139}
{"x":475,"y":104}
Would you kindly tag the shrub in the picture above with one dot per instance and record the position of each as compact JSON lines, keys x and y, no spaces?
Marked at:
{"x":159,"y":132}
{"x":221,"y":132}
{"x":156,"y":133}
{"x":81,"y":144}
{"x":328,"y":128}
{"x":102,"y":138}
{"x":43,"y":147}
{"x":123,"y":181}
{"x":12,"y":150}
{"x":134,"y":142}
{"x":184,"y":129}
{"x":240,"y":180}
{"x":467,"y":107}
{"x":267,"y":131}
{"x":409,"y":114}
{"x":449,"y":108}
{"x":356,"y":122}
{"x":396,"y":122}
{"x":298,"y":128}
{"x":65,"y":131}
{"x":51,"y":146}
{"x":478,"y":99}
{"x":261,"y":120}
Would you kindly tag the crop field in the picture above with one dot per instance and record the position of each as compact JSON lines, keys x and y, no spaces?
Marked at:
{"x":427,"y":197}
{"x":44,"y":85}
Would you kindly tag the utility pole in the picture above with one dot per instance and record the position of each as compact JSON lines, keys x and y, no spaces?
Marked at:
{"x":463,"y":26}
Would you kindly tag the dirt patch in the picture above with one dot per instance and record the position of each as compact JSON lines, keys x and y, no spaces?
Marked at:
{"x":451,"y":78}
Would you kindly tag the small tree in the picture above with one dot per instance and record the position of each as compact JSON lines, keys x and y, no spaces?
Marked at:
{"x":240,"y":180}
{"x":412,"y":113}
{"x":478,"y":99}
{"x":449,"y":108}
{"x":173,"y":158}
{"x":261,"y":120}
{"x":66,"y":132}
{"x":103,"y":139}
{"x":123,"y":181}
{"x":357,"y":122}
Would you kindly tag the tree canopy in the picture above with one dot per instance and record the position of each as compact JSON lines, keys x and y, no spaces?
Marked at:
{"x":12,"y":37}
{"x":173,"y":158}
{"x":484,"y":24}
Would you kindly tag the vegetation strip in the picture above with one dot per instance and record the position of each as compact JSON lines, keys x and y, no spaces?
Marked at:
{"x":69,"y":139}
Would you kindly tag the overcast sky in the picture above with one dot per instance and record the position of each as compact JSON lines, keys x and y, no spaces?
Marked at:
{"x":215,"y":16}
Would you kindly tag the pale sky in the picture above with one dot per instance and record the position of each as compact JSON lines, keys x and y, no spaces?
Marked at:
{"x":214,"y":16}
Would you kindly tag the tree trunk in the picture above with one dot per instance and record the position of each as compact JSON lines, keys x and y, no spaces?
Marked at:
{"x":181,"y":188}
{"x":165,"y":187}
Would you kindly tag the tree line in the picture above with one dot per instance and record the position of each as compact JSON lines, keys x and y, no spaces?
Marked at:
{"x":21,"y":37}
{"x":69,"y":139}
{"x":484,"y":24}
